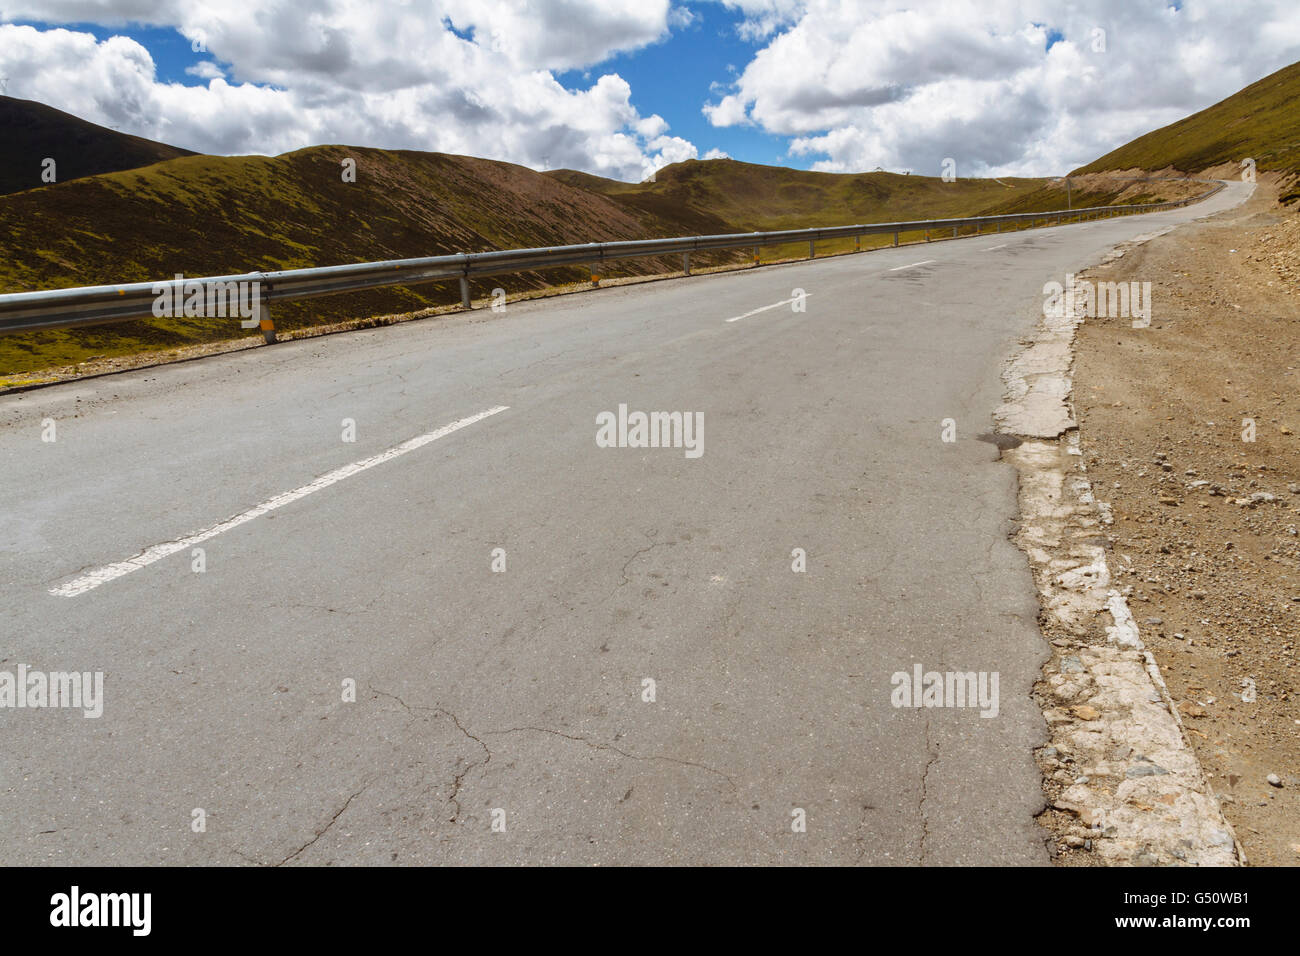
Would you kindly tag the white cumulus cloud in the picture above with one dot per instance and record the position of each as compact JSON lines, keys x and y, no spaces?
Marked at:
{"x":463,"y":76}
{"x":858,"y":84}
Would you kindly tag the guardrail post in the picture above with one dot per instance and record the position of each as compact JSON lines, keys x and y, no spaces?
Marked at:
{"x":954,"y":232}
{"x":686,"y":263}
{"x":895,"y":237}
{"x":595,"y":278}
{"x":264,"y":320}
{"x":756,"y":255}
{"x":857,"y":243}
{"x":464,"y":293}
{"x":812,"y":251}
{"x":927,"y":235}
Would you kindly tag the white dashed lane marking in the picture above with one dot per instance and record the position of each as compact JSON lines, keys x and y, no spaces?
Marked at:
{"x":88,"y":582}
{"x":774,"y":305}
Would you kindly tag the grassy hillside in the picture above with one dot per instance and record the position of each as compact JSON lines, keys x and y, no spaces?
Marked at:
{"x":214,"y":215}
{"x":1262,"y":121}
{"x":754,"y":197}
{"x":34,"y":131}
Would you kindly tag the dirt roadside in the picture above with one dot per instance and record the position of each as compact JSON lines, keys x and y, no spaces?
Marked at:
{"x":1190,"y":434}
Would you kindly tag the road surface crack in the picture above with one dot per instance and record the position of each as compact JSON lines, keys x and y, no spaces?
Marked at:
{"x":933,"y":750}
{"x":598,"y":745}
{"x":625,"y":579}
{"x":323,"y":830}
{"x":458,"y":781}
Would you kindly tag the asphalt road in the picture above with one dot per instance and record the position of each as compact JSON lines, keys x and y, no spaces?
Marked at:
{"x":521,"y":691}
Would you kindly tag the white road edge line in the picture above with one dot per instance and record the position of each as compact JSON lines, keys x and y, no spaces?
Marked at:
{"x":774,"y":305}
{"x":913,"y":264}
{"x":991,"y":248}
{"x":88,"y":582}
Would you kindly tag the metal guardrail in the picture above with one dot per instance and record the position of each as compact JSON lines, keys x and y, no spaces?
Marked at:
{"x":97,"y":305}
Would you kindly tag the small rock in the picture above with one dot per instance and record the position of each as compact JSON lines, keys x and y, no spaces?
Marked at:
{"x":1085,"y":712}
{"x":1274,"y":780}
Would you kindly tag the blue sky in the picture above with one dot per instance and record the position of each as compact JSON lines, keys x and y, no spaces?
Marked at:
{"x":676,"y":77}
{"x":834,"y":85}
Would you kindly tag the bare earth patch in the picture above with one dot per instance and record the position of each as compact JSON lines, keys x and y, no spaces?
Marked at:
{"x":1203,"y":537}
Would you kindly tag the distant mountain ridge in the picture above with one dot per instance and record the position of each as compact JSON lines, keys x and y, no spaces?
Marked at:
{"x":749,"y":196}
{"x":34,"y":132}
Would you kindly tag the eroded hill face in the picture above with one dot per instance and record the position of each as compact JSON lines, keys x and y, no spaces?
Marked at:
{"x":35,"y":133}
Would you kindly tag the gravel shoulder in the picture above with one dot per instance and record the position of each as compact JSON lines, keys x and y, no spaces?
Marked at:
{"x":1190,"y":432}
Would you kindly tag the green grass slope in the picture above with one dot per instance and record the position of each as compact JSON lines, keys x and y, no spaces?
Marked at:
{"x":750,"y":197}
{"x":34,"y":131}
{"x":1262,"y":122}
